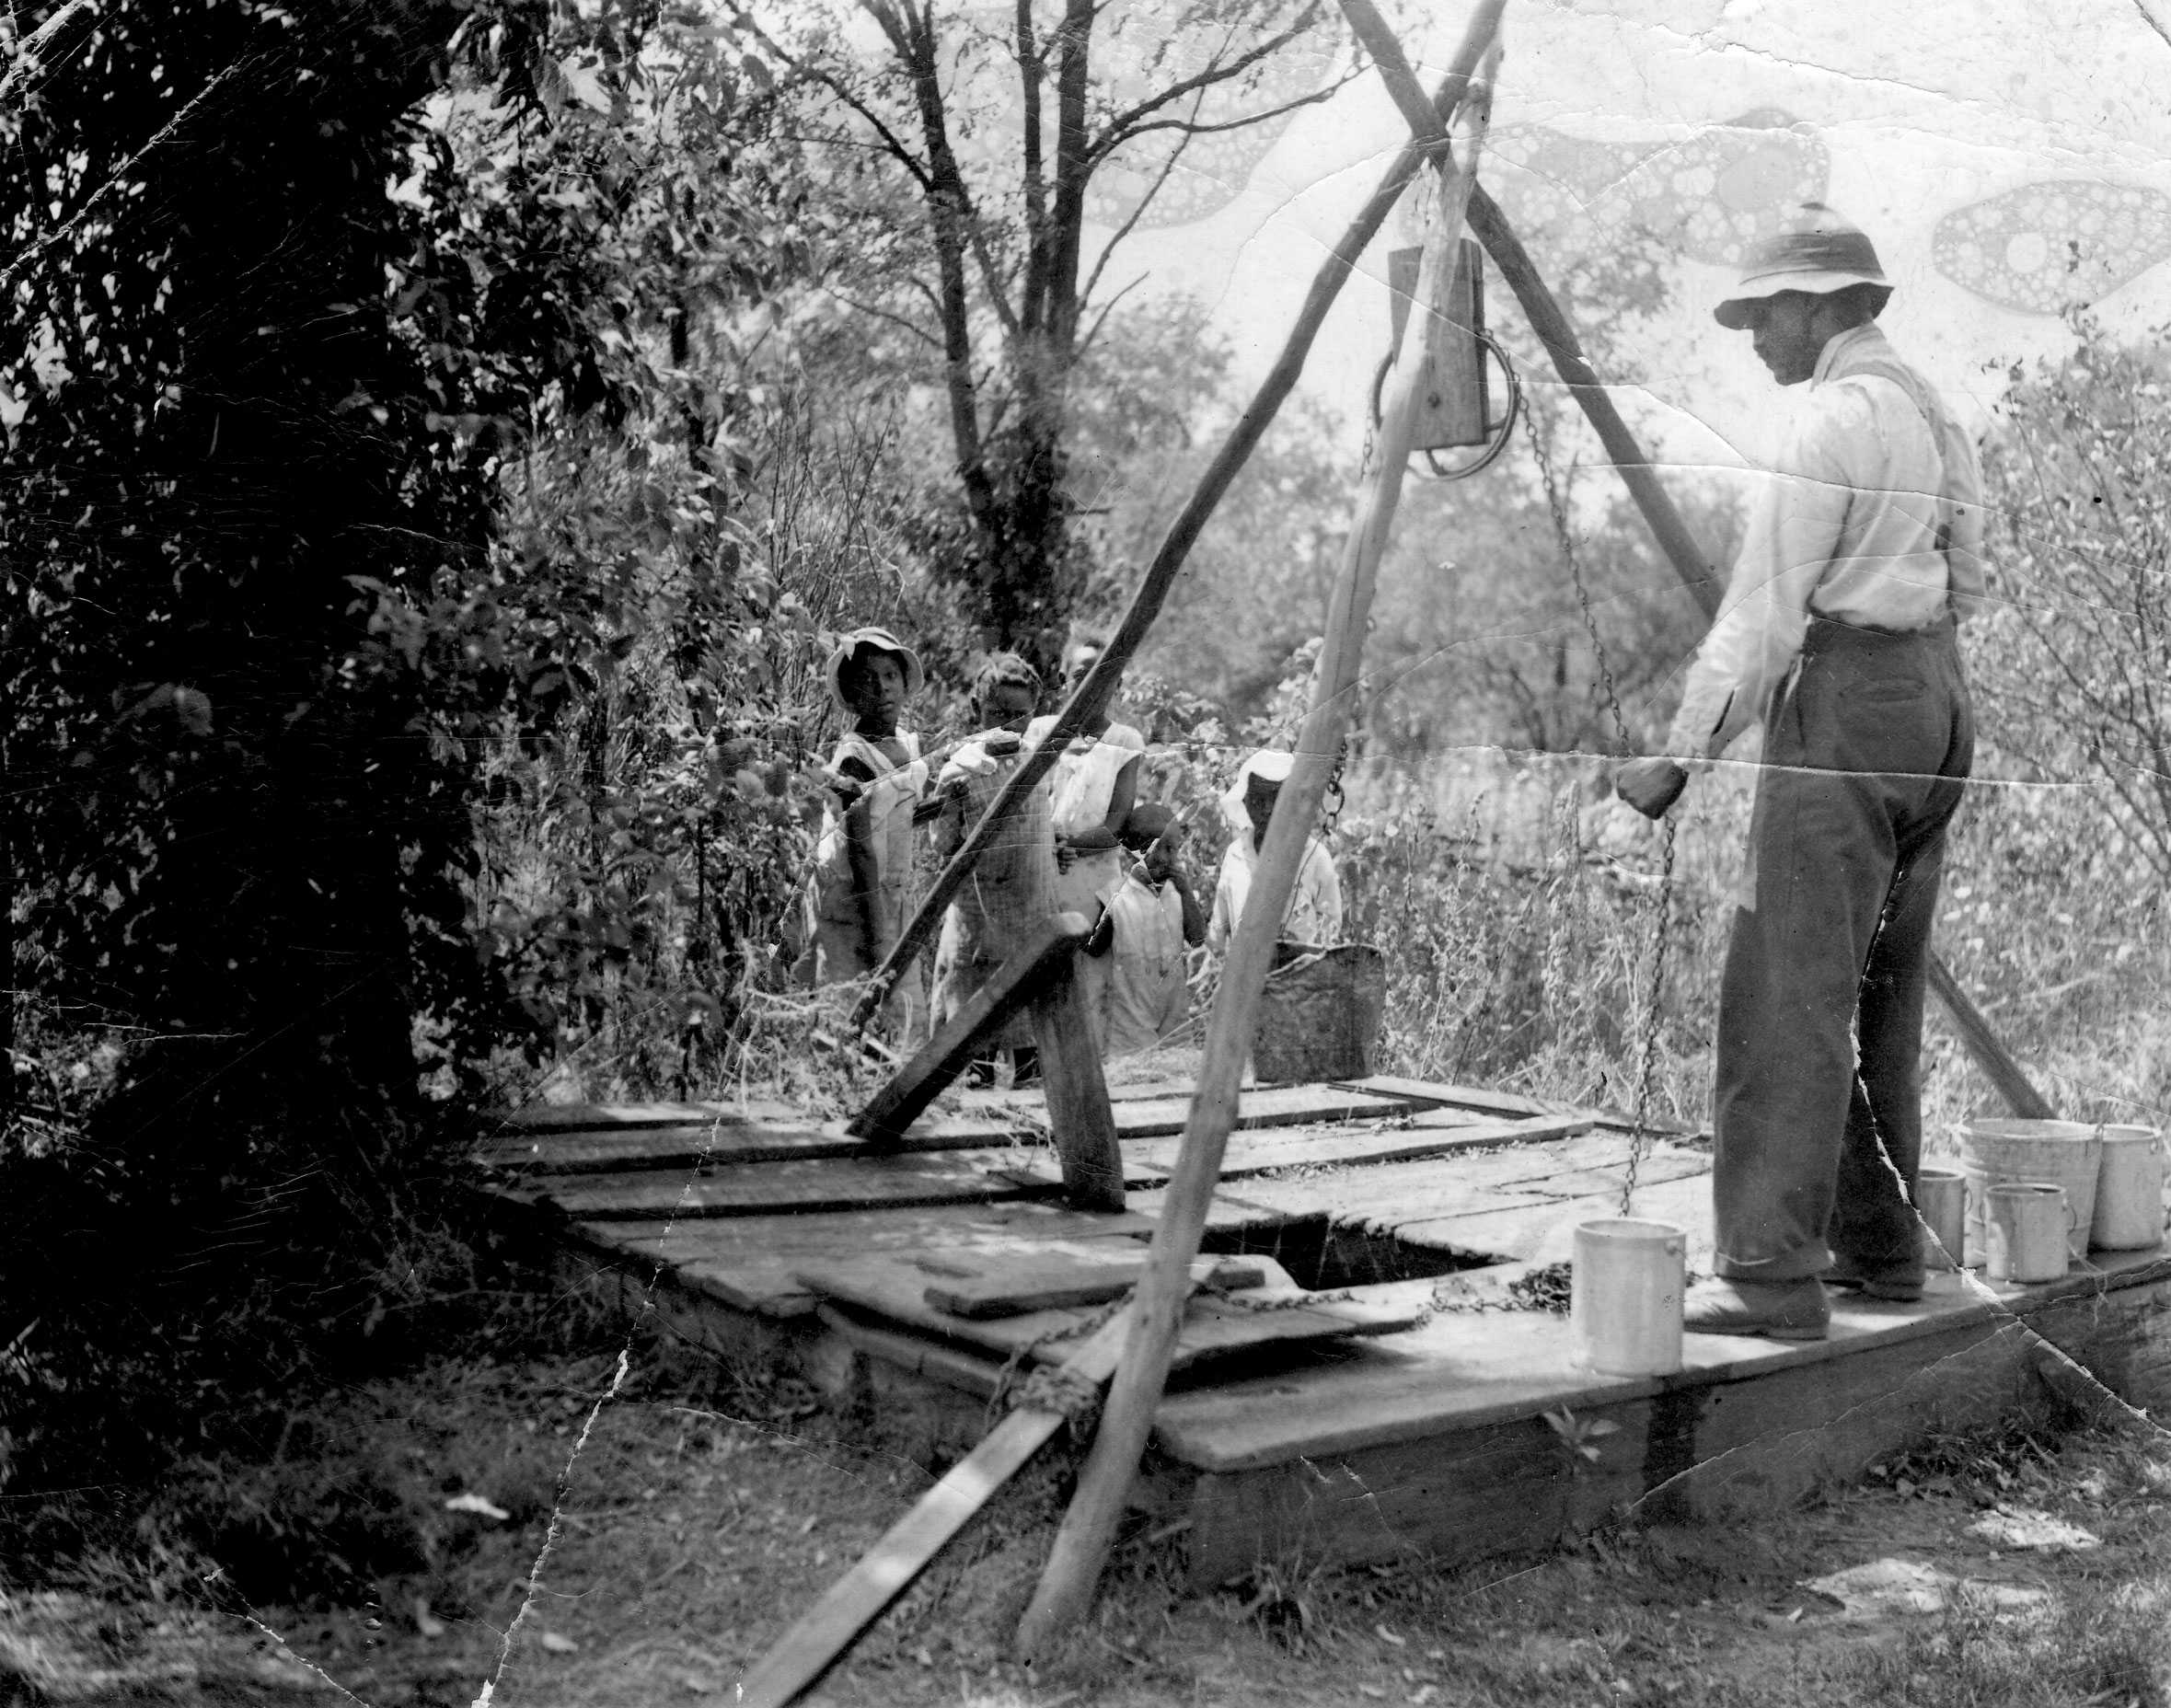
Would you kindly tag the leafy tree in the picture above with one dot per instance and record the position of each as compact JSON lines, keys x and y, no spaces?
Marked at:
{"x":368,"y":429}
{"x":1014,"y":133}
{"x":2072,"y":663}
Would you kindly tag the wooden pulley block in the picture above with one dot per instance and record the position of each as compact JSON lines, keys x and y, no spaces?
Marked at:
{"x":1455,"y":408}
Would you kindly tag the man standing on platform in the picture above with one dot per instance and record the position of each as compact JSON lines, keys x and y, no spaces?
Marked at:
{"x":1838,"y":634}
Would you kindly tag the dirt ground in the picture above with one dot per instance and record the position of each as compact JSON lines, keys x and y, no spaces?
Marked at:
{"x":644,"y":1548}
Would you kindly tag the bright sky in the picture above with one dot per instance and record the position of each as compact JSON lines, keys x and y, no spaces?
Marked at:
{"x":2039,"y":134}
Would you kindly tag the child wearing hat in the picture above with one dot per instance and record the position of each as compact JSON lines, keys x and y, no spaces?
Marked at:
{"x":1012,"y":886}
{"x":864,"y":858}
{"x":1315,"y":902}
{"x":1148,"y":918}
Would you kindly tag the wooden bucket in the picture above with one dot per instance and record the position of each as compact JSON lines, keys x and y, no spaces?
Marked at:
{"x":1320,"y":1013}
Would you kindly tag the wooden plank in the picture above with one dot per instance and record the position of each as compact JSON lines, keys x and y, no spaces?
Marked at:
{"x":1405,"y":1197}
{"x":968,"y":1372}
{"x":1426,"y":1093}
{"x":1258,"y":1152}
{"x":1538,"y":1228}
{"x":772,"y":1188}
{"x":1078,"y":1112}
{"x":1211,"y":1327}
{"x":747,"y":1262}
{"x":814,"y":1641}
{"x":1487,"y":1101}
{"x":589,"y":1152}
{"x":1508,"y":1487}
{"x":978,"y":1287}
{"x":1278,"y":1105}
{"x":1045,"y":953}
{"x":1609,"y":1182}
{"x":595,"y":1117}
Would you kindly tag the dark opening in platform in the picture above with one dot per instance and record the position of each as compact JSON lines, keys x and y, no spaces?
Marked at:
{"x":1323,"y":1255}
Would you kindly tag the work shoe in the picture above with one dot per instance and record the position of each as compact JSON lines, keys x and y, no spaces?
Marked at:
{"x":1773,"y":1309}
{"x":1900,"y":1283}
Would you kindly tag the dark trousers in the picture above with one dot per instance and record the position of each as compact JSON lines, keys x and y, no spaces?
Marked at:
{"x":1819,"y":1099}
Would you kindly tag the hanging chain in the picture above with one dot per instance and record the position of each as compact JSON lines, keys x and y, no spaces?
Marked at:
{"x":1639,"y":1136}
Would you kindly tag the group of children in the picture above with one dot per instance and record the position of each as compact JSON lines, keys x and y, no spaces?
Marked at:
{"x":1082,"y":842}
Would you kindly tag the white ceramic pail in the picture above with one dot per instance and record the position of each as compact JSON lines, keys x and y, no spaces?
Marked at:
{"x":1625,"y":1299}
{"x":2130,"y":1190}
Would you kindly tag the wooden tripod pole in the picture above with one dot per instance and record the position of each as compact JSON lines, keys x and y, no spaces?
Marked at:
{"x":1090,"y":703}
{"x":1082,"y":1545}
{"x":1554,"y":331}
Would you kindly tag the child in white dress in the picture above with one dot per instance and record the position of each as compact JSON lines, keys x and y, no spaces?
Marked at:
{"x":1314,"y":914}
{"x":1150,"y":918}
{"x":859,"y":900}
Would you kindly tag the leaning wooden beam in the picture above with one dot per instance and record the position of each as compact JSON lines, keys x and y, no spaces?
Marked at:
{"x":960,"y":1039}
{"x":813,"y":1645}
{"x":1996,"y":1062}
{"x":1680,"y":546}
{"x":1081,"y":1544}
{"x":1090,"y":703}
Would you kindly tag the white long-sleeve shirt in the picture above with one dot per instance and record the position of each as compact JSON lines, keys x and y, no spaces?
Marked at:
{"x":1874,"y":476}
{"x":1315,"y":900}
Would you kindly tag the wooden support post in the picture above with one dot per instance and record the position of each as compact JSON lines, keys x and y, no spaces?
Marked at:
{"x":1678,"y":546}
{"x":1082,"y":1545}
{"x":1040,"y":961}
{"x":1078,"y":1110}
{"x":1090,"y":703}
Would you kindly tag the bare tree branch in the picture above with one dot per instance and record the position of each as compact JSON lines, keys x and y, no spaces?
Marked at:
{"x":891,"y":144}
{"x":1124,"y":124}
{"x":1101,"y":319}
{"x":1195,"y":129}
{"x":1136,"y":213}
{"x":898,"y":321}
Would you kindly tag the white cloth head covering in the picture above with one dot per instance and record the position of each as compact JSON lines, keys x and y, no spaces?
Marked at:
{"x":1269,"y":764}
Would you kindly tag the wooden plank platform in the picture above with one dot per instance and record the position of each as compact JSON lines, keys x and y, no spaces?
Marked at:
{"x":1435,"y":1441}
{"x":1404,"y":1415}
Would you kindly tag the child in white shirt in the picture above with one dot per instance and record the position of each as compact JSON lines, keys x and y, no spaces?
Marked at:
{"x":1314,"y":915}
{"x":1148,"y":919}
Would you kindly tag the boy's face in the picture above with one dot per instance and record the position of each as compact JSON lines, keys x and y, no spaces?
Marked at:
{"x":1160,"y":856}
{"x":874,"y":685}
{"x":1259,"y":798}
{"x":1076,"y":664}
{"x":1006,"y":706}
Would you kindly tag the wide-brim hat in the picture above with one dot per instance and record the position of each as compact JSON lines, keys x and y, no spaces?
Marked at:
{"x":850,"y":646}
{"x":1818,"y":252}
{"x":1269,"y":764}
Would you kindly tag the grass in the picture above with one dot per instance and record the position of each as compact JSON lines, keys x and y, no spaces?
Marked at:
{"x":702,"y":1515}
{"x":1523,"y":923}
